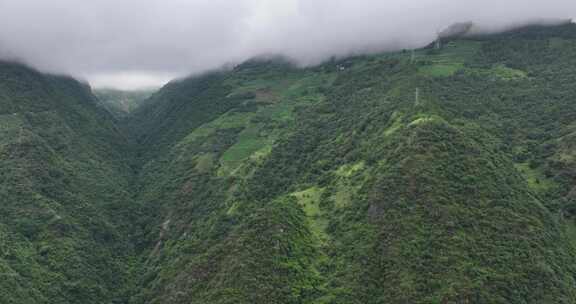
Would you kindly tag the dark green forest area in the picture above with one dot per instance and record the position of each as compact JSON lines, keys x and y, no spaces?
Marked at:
{"x":435,"y":176}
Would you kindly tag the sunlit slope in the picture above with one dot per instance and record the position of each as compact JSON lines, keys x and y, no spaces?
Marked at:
{"x":439,"y":176}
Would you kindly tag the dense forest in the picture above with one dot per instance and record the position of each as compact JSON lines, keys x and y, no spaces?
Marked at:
{"x":440,"y":175}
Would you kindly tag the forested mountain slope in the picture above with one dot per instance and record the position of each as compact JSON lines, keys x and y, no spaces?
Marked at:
{"x":439,"y":176}
{"x":443,"y":177}
{"x":63,"y":193}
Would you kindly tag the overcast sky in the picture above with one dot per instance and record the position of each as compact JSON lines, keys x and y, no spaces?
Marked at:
{"x":139,"y":43}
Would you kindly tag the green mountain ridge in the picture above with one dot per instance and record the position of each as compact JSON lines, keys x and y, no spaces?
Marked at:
{"x":439,"y":176}
{"x":63,"y":188}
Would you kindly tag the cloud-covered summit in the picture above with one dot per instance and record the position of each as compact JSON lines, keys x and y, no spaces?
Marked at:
{"x":135,"y":43}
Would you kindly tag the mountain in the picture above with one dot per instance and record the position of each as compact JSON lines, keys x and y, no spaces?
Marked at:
{"x":64,"y":203}
{"x":434,"y":176}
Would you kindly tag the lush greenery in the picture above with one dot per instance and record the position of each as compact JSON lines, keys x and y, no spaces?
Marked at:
{"x":65,"y":202}
{"x":443,"y":177}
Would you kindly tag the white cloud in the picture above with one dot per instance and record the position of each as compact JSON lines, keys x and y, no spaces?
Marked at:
{"x":130,"y":80}
{"x":125,"y":42}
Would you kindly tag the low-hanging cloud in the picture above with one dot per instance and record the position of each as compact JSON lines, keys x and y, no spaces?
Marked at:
{"x":135,"y":43}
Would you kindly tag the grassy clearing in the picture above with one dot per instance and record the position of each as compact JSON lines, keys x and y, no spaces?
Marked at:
{"x":278,"y":112}
{"x":461,"y":50}
{"x":506,"y":73}
{"x":261,"y":154}
{"x":441,"y":70}
{"x":256,"y":139}
{"x":348,"y":183}
{"x":350,"y":169}
{"x":226,"y":121}
{"x":498,"y":72}
{"x":309,"y":200}
{"x":248,"y":143}
{"x":422,"y":119}
{"x":449,"y":60}
{"x":343,"y":196}
{"x":396,"y":124}
{"x":535,"y":179}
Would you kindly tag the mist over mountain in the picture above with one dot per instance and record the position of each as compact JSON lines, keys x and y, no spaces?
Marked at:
{"x":287,"y":152}
{"x":133,"y":44}
{"x":443,"y":174}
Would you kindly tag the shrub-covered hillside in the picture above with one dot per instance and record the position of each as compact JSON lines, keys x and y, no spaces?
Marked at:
{"x":439,"y":177}
{"x":64,"y":193}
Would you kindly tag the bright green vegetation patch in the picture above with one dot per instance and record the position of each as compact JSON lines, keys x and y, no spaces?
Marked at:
{"x":259,"y":127}
{"x":248,"y":143}
{"x":257,"y":137}
{"x":452,"y":52}
{"x":463,"y":50}
{"x":309,"y":200}
{"x":441,"y":70}
{"x":258,"y":134}
{"x":278,"y":112}
{"x":261,"y":154}
{"x":350,"y":169}
{"x":345,"y":193}
{"x":448,"y":60}
{"x":506,"y":73}
{"x":227,"y":121}
{"x":343,"y":197}
{"x":396,"y":124}
{"x":270,"y":89}
{"x":535,"y":179}
{"x":350,"y":180}
{"x":306,"y":84}
{"x":566,"y":156}
{"x":423,"y":119}
{"x":498,"y":72}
